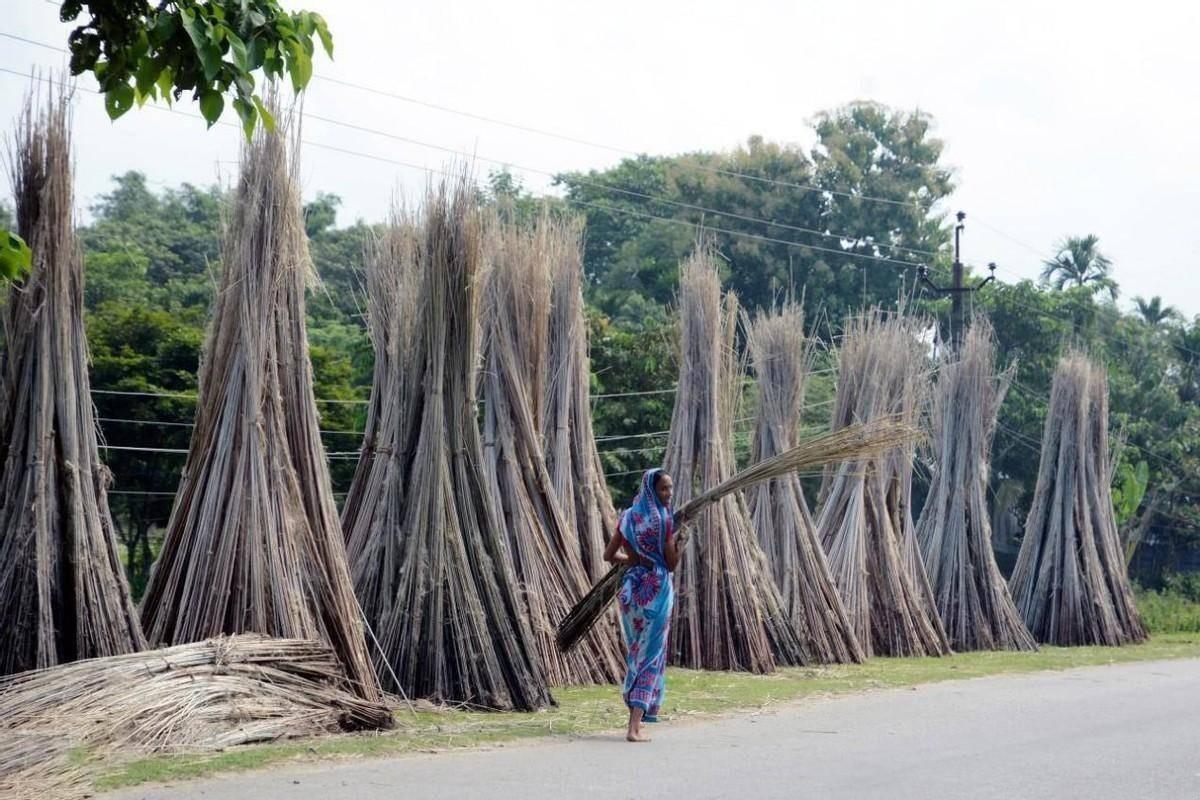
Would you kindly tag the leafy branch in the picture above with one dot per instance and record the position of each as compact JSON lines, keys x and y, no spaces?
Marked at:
{"x":140,"y":52}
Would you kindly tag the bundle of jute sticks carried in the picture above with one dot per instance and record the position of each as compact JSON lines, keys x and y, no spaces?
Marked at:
{"x":849,"y":443}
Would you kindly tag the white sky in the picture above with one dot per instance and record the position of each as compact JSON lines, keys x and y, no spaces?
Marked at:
{"x":1059,"y":117}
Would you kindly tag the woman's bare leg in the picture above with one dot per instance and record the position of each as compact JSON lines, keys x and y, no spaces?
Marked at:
{"x":634,"y":732}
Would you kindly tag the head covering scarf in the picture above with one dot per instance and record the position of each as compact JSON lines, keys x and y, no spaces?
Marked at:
{"x":648,"y":524}
{"x":646,"y":598}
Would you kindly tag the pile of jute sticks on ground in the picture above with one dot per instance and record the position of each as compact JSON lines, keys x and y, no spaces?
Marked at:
{"x":202,"y":696}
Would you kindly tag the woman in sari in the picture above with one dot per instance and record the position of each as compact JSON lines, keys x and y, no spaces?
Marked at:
{"x":646,"y":541}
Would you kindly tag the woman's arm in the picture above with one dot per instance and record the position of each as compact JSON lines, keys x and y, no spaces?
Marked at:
{"x":618,"y":552}
{"x":614,"y":551}
{"x":674,"y":549}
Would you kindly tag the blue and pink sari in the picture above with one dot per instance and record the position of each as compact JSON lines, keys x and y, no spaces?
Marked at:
{"x":647,"y":595}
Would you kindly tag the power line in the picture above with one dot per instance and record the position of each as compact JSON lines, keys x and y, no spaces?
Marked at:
{"x":612,"y":148}
{"x":564,"y":137}
{"x":170,"y":450}
{"x":1167,"y":465}
{"x":193,"y":397}
{"x":171,"y":424}
{"x":610,"y":188}
{"x":699,"y":227}
{"x":1035,"y":449}
{"x":1098,"y":334}
{"x":598,"y":184}
{"x":671,"y":390}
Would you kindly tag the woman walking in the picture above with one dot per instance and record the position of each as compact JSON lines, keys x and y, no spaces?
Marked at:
{"x":646,"y":541}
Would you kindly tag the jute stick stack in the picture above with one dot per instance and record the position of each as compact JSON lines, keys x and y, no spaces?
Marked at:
{"x":253,"y":543}
{"x":545,"y":549}
{"x":955,"y":531}
{"x":1070,"y":583}
{"x":782,"y":358}
{"x":729,"y":614}
{"x":426,"y":540}
{"x":570,"y":445}
{"x":63,"y":593}
{"x":865,"y":522}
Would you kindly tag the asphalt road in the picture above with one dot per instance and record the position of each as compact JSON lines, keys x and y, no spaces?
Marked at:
{"x":1129,"y":731}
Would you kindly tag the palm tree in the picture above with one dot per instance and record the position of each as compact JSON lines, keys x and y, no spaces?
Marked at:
{"x":1079,"y":262}
{"x":1153,"y":312}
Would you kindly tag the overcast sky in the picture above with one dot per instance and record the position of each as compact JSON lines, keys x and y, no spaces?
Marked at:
{"x":1060,"y":118}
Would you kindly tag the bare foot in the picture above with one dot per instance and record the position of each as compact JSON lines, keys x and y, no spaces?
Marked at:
{"x":630,"y":736}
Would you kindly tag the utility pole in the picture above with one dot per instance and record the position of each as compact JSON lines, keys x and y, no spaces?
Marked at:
{"x":956,"y":290}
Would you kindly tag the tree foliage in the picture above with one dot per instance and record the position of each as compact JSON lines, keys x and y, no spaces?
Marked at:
{"x":208,"y":48}
{"x":797,"y":220}
{"x":1079,"y":262}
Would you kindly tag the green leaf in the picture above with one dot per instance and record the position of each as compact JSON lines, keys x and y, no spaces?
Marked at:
{"x":249,"y":115}
{"x":194,"y":27}
{"x":325,"y":35}
{"x":211,"y":106}
{"x":210,"y":57}
{"x":202,"y":37}
{"x":299,"y":66}
{"x":272,"y":62}
{"x":16,"y":258}
{"x":165,"y":82}
{"x":267,"y":117}
{"x":118,"y":100}
{"x":237,"y":49}
{"x":141,"y":46}
{"x":147,"y":73}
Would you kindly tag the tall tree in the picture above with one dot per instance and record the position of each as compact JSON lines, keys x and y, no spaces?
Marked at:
{"x":1079,"y":262}
{"x":1154,"y":312}
{"x":843,"y":219}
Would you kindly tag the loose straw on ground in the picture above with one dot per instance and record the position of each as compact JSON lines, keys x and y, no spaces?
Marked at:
{"x":1070,"y":582}
{"x":545,"y":548}
{"x":254,"y":543}
{"x":782,"y":358}
{"x":426,"y":539}
{"x":63,"y":592}
{"x":954,"y":530}
{"x":865,"y":521}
